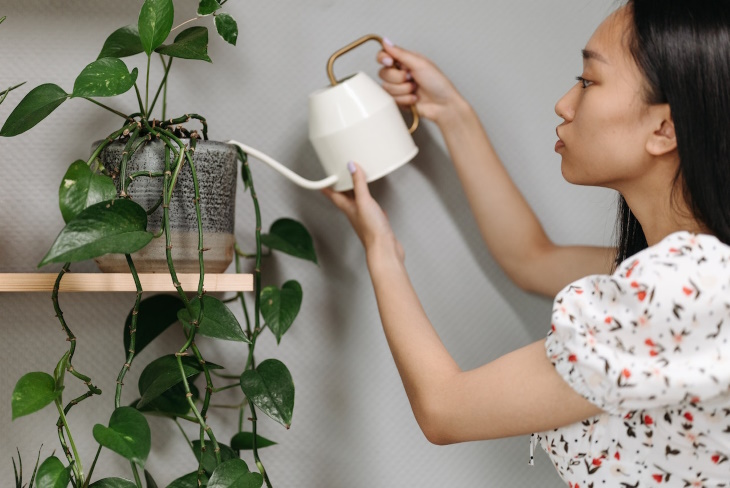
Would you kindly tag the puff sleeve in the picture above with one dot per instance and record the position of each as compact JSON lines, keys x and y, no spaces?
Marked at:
{"x":653,"y":334}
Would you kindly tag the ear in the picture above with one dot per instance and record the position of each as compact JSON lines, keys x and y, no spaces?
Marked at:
{"x":663,"y":139}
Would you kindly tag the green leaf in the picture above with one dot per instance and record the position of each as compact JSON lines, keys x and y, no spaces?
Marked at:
{"x":156,"y":314}
{"x":60,"y":372}
{"x":121,"y":43}
{"x":163,"y":373}
{"x":34,"y":107}
{"x":112,"y":483}
{"x":112,"y":226}
{"x":243,"y":441}
{"x":270,"y":387}
{"x":207,"y":7}
{"x":218,"y":320}
{"x":52,"y":474}
{"x":234,"y":474}
{"x":290,"y":237}
{"x":33,"y":392}
{"x":128,"y":435}
{"x":209,"y":463}
{"x":82,"y":188}
{"x":172,"y":403}
{"x":191,"y":43}
{"x":190,"y":480}
{"x":155,"y":23}
{"x":105,"y":77}
{"x":227,"y":28}
{"x":149,"y":480}
{"x":280,"y":307}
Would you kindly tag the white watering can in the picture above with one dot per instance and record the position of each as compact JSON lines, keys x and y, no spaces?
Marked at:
{"x":352,"y":120}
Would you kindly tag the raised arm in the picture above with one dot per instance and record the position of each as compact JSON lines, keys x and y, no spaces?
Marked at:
{"x":509,"y":227}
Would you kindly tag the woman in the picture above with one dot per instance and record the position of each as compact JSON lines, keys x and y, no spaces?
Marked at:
{"x":631,"y":386}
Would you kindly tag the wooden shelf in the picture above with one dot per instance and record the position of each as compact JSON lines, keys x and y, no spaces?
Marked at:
{"x":112,"y":282}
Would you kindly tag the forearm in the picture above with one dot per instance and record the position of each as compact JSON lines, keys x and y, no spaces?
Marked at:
{"x":507,"y":224}
{"x":423,"y":362}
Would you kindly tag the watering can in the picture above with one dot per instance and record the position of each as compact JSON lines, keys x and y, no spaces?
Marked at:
{"x":352,"y":120}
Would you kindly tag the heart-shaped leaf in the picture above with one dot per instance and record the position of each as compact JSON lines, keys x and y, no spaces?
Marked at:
{"x":82,"y":188}
{"x":270,"y":387}
{"x":290,"y":237}
{"x":112,"y":483}
{"x":52,"y":474}
{"x":191,"y":43}
{"x":121,"y":43}
{"x":155,"y":23}
{"x":227,"y":28}
{"x":128,"y":435}
{"x":218,"y":320}
{"x":190,"y":480}
{"x":34,"y":107}
{"x":209,"y":463}
{"x":280,"y":307}
{"x":156,"y":314}
{"x":33,"y":392}
{"x":207,"y":7}
{"x":234,"y":474}
{"x":163,"y":373}
{"x":105,"y":77}
{"x":112,"y":226}
{"x":243,"y":441}
{"x":172,"y":403}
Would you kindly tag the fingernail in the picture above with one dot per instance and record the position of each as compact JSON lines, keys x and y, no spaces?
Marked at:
{"x":351,"y":167}
{"x":387,"y":42}
{"x":388,"y":61}
{"x":409,"y":77}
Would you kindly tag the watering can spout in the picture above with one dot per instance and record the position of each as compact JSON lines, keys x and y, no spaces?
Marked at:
{"x":283,"y":170}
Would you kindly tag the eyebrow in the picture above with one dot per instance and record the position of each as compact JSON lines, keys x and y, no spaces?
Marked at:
{"x":587,"y":54}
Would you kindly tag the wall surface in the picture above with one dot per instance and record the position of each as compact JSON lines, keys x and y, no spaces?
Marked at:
{"x":352,"y":423}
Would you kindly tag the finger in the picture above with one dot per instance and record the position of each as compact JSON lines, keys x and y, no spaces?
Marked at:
{"x":404,"y":56}
{"x":406,"y":100}
{"x":398,"y":89}
{"x":392,"y":75}
{"x":340,"y":200}
{"x":359,"y":182}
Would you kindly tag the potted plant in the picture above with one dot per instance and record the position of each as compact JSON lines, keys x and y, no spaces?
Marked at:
{"x":97,"y":201}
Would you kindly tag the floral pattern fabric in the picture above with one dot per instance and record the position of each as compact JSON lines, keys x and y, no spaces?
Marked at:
{"x":650,"y":346}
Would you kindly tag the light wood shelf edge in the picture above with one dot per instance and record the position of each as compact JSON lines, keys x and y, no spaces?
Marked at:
{"x":113,"y":282}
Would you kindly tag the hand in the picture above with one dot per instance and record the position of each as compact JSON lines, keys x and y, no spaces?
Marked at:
{"x":367,"y":218}
{"x":411,"y":78}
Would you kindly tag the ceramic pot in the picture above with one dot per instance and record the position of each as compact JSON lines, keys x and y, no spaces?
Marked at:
{"x":216,"y":168}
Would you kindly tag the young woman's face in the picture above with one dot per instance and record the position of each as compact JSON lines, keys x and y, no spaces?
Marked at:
{"x":602,"y":138}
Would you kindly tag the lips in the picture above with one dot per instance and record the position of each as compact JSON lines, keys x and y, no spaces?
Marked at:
{"x":560,"y":144}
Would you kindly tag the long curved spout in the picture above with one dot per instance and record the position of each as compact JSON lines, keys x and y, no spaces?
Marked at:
{"x":295,"y":178}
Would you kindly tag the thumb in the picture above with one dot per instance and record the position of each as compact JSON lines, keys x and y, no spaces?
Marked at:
{"x":359,"y":181}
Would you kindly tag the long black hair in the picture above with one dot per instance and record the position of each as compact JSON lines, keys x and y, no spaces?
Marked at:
{"x":683,"y":49}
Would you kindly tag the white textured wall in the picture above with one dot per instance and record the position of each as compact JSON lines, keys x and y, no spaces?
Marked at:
{"x":352,"y":424}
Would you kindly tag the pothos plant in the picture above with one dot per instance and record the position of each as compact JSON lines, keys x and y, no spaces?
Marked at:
{"x":102,"y":218}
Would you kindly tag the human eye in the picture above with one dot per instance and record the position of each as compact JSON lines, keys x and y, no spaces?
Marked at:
{"x":583,"y":82}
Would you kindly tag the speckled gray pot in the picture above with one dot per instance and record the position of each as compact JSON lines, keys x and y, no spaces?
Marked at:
{"x":216,"y":169}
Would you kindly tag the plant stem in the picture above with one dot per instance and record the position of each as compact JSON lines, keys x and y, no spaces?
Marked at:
{"x":124,"y":116}
{"x":132,"y":333}
{"x":108,"y":141}
{"x":147,"y":89}
{"x":126,"y":156}
{"x":163,"y":83}
{"x":5,"y":93}
{"x":184,"y":434}
{"x":139,"y":98}
{"x":186,"y":22}
{"x":227,"y":387}
{"x":259,"y":464}
{"x":136,"y":475}
{"x":186,"y":118}
{"x":77,"y":467}
{"x":93,"y":465}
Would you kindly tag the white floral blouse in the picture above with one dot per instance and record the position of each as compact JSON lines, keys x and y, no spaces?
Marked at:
{"x":649,"y":345}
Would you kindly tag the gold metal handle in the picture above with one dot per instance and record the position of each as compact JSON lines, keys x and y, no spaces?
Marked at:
{"x":353,"y":45}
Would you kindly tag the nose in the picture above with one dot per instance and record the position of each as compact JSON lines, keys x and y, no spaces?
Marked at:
{"x":565,"y":107}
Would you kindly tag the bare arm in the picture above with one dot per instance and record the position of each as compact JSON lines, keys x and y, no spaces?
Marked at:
{"x":515,"y":394}
{"x":507,"y":224}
